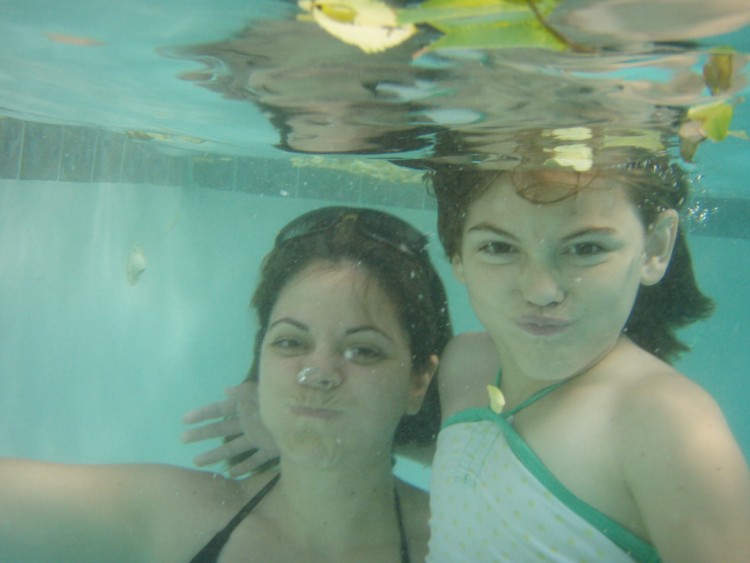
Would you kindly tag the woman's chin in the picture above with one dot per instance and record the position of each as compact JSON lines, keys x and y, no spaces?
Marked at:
{"x":318,"y":449}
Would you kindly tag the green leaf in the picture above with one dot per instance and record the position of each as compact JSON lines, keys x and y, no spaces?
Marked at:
{"x":714,"y":119}
{"x":499,"y":35}
{"x":463,"y":12}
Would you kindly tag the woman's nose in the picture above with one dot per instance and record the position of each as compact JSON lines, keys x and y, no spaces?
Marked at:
{"x":540,"y":284}
{"x":317,"y":378}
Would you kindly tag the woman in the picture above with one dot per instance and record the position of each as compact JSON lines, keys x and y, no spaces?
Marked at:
{"x":352,"y":318}
{"x":589,"y":446}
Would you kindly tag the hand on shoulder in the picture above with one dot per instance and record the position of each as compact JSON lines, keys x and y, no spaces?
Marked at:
{"x":469,"y":363}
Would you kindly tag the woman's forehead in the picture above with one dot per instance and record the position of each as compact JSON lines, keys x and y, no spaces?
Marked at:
{"x":346,"y":289}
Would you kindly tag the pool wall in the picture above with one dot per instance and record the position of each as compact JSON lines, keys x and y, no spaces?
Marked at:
{"x":97,"y":367}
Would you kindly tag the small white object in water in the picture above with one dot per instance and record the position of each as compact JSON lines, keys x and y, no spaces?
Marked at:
{"x":136,"y":264}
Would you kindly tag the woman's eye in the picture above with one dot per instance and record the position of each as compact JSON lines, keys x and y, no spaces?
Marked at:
{"x":496,"y":247}
{"x":363,"y":354}
{"x":287,"y":344}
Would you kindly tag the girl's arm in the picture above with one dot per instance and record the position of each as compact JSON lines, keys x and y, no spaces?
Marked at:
{"x":687,"y":474}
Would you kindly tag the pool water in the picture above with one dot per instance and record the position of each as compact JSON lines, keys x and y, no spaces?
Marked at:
{"x":110,"y":153}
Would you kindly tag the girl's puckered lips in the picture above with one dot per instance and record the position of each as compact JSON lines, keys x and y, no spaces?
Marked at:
{"x":539,"y":325}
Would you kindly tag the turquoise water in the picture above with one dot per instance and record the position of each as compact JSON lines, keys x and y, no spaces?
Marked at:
{"x":105,"y":150}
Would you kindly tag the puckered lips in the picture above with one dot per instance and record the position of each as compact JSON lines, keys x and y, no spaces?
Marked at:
{"x":540,"y":325}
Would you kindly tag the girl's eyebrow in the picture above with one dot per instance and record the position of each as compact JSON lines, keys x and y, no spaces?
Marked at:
{"x":590,"y":231}
{"x":586,"y":231}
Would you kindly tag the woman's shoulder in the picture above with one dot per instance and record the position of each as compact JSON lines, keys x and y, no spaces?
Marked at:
{"x":415,"y":513}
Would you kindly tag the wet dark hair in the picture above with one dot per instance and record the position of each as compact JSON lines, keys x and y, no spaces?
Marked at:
{"x":653,"y":185}
{"x":403,"y":271}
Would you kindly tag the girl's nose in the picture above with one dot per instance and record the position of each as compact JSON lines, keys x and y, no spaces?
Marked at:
{"x":317,"y":378}
{"x":540,"y":284}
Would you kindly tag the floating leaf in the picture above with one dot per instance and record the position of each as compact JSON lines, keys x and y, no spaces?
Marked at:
{"x":718,"y":70}
{"x":368,"y":24}
{"x":714,"y":119}
{"x":462,"y":12}
{"x":708,"y":121}
{"x":499,"y":35}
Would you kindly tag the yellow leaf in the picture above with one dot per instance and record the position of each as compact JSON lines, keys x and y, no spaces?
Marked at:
{"x":714,"y":119}
{"x":718,"y":70}
{"x":368,"y":24}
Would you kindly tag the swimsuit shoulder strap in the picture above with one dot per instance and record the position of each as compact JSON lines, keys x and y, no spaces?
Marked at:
{"x":210,"y":552}
{"x":401,"y":531}
{"x":534,"y":398}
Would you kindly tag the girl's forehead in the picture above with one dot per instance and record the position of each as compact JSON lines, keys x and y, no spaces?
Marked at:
{"x":567,"y":196}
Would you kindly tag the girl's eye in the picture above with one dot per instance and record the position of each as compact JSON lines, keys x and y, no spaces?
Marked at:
{"x":586,"y":249}
{"x":363,"y":354}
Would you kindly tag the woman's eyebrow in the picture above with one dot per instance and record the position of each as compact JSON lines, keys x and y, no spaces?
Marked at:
{"x":289,"y":320}
{"x":368,"y":328}
{"x":487,"y":227}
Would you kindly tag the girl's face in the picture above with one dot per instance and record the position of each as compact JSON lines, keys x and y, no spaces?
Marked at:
{"x":337,"y":321}
{"x":555,"y":283}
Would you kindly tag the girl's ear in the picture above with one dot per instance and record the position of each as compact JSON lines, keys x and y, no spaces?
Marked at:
{"x":420,"y":383}
{"x":458,"y":268}
{"x":660,"y":239}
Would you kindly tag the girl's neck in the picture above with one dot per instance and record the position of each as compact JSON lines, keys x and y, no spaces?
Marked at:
{"x":518,"y":385}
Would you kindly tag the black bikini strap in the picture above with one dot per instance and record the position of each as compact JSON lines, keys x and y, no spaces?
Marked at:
{"x":212,"y":549}
{"x":401,"y":532}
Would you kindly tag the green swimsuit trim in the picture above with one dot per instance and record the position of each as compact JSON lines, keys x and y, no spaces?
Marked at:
{"x":631,"y":544}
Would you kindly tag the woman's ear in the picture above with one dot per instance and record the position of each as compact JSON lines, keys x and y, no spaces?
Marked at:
{"x":420,"y":384}
{"x":660,"y":240}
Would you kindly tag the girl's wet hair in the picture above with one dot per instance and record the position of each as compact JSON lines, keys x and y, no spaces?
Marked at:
{"x":399,"y":266}
{"x":654,"y":184}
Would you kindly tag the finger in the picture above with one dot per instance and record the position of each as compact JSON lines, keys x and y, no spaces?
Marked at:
{"x":220,"y":429}
{"x":253,"y":465}
{"x":224,"y":452}
{"x":219,"y":409}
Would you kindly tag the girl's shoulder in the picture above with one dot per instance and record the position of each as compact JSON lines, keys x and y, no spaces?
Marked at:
{"x":662,"y":413}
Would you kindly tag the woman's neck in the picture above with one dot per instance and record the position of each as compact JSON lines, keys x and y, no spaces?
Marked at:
{"x":337,"y":506}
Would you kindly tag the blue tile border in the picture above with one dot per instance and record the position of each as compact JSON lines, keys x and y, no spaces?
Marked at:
{"x":42,"y":151}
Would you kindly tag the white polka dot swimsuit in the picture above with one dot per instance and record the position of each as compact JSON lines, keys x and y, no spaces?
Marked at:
{"x":493,"y":500}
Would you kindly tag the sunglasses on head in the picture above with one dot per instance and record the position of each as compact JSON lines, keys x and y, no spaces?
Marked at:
{"x":375,"y":225}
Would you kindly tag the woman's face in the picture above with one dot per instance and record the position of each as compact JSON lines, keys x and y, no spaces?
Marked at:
{"x":337,"y":321}
{"x":555,"y":283}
